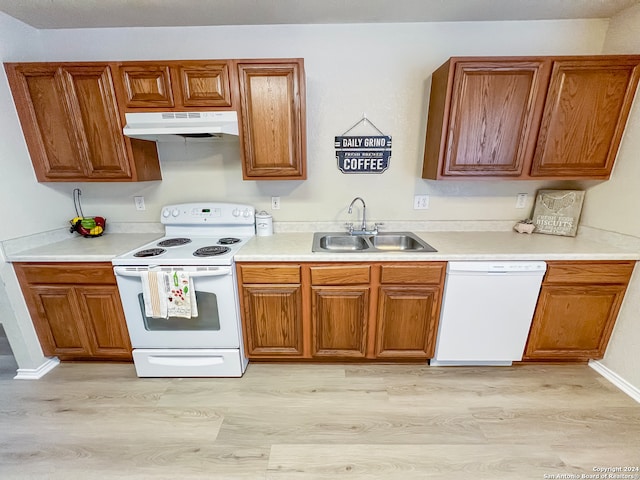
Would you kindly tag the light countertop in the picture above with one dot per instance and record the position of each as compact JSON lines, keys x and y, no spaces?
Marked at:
{"x":296,"y":246}
{"x":449,"y":246}
{"x":81,"y":249}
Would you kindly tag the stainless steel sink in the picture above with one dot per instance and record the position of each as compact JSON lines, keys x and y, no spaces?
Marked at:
{"x":343,"y":242}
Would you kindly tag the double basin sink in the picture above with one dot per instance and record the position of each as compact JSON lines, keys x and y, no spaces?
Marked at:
{"x":344,"y":242}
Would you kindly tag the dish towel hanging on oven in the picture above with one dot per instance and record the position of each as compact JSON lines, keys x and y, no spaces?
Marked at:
{"x":154,"y":294}
{"x":168,"y":294}
{"x":181,"y":296}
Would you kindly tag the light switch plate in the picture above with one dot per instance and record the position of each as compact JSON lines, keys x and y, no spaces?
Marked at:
{"x":420,"y":202}
{"x":139,"y":202}
{"x":521,"y":200}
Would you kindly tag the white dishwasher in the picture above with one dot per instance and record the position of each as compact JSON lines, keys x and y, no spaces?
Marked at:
{"x":487,"y":310}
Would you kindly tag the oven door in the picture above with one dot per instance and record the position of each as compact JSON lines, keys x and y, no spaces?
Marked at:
{"x":216,"y":326}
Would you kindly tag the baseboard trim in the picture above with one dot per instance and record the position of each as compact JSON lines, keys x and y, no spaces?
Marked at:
{"x":37,"y":373}
{"x":616,"y":379}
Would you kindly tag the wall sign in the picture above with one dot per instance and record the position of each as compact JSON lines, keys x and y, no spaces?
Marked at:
{"x":363,"y":153}
{"x":557,"y":212}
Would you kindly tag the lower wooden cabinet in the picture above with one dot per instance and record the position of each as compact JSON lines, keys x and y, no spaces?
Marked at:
{"x":348,"y":311}
{"x":271,"y":297}
{"x":76,"y":310}
{"x":577,"y":309}
{"x":276,"y":320}
{"x":409,"y":302}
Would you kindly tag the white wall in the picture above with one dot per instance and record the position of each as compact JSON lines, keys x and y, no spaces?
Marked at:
{"x":381,"y":70}
{"x":614,"y":206}
{"x":20,"y":197}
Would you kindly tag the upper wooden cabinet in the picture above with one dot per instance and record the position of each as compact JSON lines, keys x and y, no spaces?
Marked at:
{"x":176,"y":84}
{"x":72,"y":114}
{"x":585,"y":113}
{"x":528,"y":117}
{"x":272,"y":113}
{"x":72,"y":126}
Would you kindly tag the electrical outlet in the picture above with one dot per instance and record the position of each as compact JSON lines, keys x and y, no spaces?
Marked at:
{"x":420,"y":202}
{"x":139,"y":202}
{"x":521,"y":200}
{"x":275,"y":203}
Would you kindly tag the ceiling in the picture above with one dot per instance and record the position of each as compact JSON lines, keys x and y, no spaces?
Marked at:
{"x":48,"y":14}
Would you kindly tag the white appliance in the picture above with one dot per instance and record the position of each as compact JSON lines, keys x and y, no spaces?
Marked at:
{"x":181,"y":126}
{"x":201,"y":239}
{"x":487,"y":310}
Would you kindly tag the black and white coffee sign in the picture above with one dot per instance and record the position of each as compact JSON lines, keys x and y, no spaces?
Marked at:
{"x":363,"y":154}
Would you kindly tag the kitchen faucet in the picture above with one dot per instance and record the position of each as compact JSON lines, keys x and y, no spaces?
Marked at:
{"x":363,"y":228}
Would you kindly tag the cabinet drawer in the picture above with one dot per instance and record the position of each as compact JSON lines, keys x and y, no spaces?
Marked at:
{"x":340,"y":275}
{"x":75,"y":273}
{"x":588,"y":272}
{"x":270,"y":273}
{"x":432,"y":273}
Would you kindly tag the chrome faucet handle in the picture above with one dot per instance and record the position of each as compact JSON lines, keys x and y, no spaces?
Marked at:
{"x":376,"y":225}
{"x":349,"y":226}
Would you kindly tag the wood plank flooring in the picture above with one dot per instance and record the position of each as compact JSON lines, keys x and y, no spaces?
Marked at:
{"x":292,"y":421}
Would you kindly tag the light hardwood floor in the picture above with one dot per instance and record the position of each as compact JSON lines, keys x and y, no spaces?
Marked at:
{"x":292,"y":421}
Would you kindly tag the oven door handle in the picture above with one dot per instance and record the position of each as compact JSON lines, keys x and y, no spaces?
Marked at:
{"x":138,"y":272}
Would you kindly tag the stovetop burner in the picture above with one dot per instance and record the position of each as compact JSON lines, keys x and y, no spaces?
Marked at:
{"x":150,"y":252}
{"x":211,"y":251}
{"x":174,"y":242}
{"x":228,"y":240}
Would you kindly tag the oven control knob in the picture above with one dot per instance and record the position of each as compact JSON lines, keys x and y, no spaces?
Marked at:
{"x":175,"y":212}
{"x":246,"y":213}
{"x":235,"y":212}
{"x":166,"y":213}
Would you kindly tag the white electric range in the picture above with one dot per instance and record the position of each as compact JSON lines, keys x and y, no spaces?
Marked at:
{"x":199,"y":243}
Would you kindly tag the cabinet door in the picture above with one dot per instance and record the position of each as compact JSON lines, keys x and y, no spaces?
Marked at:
{"x":106,"y":326}
{"x":339,"y":321}
{"x":205,"y":85}
{"x":97,"y":122}
{"x":407,"y":321}
{"x":491,"y":117}
{"x":573,"y":322}
{"x":273,"y":325}
{"x":272,"y":106}
{"x":585,"y":114}
{"x":44,"y":110}
{"x":147,"y":86}
{"x":58,"y":321}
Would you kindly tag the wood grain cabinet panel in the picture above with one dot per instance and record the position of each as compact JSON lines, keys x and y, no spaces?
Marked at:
{"x":492,"y":112}
{"x":482,"y":114}
{"x":407,"y":322}
{"x":57,"y":323}
{"x":272,"y":320}
{"x":176,"y":84}
{"x":102,"y":307}
{"x":78,"y":317}
{"x":339,"y":321}
{"x":528,"y":117}
{"x":340,"y":275}
{"x":577,"y":309}
{"x":147,"y":85}
{"x":205,"y":85}
{"x":272,"y":111}
{"x":72,"y":126}
{"x":586,"y":110}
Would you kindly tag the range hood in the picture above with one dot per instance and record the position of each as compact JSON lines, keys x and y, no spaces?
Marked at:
{"x":181,"y":126}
